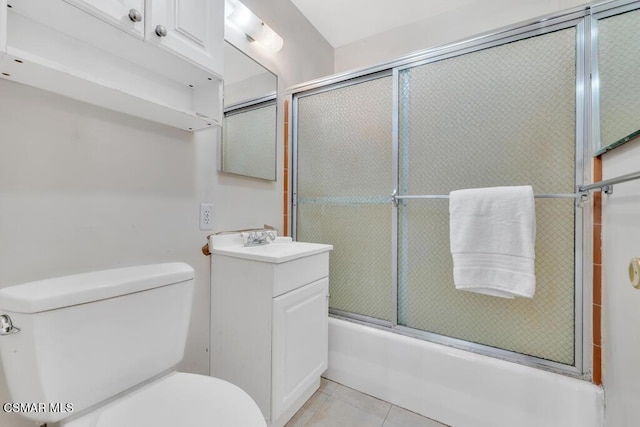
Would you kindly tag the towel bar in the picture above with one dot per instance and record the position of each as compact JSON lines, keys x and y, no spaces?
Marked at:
{"x":605,"y":186}
{"x":581,"y":195}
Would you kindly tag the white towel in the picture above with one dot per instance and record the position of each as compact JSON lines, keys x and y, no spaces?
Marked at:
{"x":493,"y":233}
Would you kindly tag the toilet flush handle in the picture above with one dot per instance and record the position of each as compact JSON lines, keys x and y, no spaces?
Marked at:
{"x":6,"y":326}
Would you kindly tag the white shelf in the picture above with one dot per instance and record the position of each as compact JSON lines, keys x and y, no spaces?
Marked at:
{"x":181,"y":95}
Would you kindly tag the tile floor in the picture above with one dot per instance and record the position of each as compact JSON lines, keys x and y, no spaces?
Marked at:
{"x":335,"y":405}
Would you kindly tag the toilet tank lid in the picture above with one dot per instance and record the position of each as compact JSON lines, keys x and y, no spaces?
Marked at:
{"x":51,"y":294}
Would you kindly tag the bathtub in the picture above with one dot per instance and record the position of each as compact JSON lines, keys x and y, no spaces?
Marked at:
{"x":456,"y":387}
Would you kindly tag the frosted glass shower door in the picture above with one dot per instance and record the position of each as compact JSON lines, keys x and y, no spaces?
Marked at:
{"x":505,"y":112}
{"x":617,"y":101}
{"x":343,"y":147}
{"x":500,"y":116}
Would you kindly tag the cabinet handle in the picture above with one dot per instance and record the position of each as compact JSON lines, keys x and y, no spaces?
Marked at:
{"x":161,"y":31}
{"x":135,"y":16}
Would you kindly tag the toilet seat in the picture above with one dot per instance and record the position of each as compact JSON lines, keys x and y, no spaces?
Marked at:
{"x":178,"y":399}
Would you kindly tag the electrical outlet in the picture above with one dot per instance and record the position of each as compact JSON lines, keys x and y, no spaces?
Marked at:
{"x":206,"y":216}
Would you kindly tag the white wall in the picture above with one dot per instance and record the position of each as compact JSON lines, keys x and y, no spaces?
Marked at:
{"x":305,"y":53}
{"x":621,"y":302}
{"x":84,"y":188}
{"x":474,"y":18}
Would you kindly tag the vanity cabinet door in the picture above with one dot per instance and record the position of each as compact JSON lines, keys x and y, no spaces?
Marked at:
{"x":192,"y":29}
{"x":300,"y":342}
{"x":127,"y":15}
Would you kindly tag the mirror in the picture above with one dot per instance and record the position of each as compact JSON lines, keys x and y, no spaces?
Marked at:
{"x":616,"y":88}
{"x":248,"y":144}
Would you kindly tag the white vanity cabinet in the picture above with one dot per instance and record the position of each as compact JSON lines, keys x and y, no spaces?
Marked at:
{"x":269,"y":314}
{"x":108,"y":53}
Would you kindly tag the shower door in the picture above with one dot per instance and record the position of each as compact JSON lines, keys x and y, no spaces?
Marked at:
{"x":500,"y":116}
{"x":344,"y":182}
{"x":504,"y":112}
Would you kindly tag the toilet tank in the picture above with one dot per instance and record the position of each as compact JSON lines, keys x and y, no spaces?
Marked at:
{"x":87,"y":337}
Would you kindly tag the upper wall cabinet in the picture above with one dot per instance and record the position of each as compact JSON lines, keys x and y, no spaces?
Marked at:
{"x":126,"y":15}
{"x":187,"y":28}
{"x":161,"y":60}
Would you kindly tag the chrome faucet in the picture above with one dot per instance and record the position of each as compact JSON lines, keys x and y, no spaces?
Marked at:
{"x":258,"y":237}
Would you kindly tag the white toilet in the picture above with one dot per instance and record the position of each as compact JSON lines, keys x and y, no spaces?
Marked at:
{"x":100,"y":349}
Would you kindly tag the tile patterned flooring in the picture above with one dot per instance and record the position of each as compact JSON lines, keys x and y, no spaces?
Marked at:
{"x":335,"y":405}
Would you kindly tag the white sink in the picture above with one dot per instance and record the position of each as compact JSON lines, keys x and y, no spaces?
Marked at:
{"x":291,"y":264}
{"x":282,"y":250}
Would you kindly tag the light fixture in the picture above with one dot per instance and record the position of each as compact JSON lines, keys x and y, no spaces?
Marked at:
{"x":246,"y":21}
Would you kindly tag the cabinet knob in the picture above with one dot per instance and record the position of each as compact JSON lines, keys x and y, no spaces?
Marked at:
{"x":135,"y":16}
{"x":161,"y":31}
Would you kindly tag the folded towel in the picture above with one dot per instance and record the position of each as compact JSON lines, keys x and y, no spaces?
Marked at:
{"x":493,"y":232}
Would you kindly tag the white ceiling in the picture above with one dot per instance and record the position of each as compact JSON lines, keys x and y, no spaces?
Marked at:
{"x":344,"y":21}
